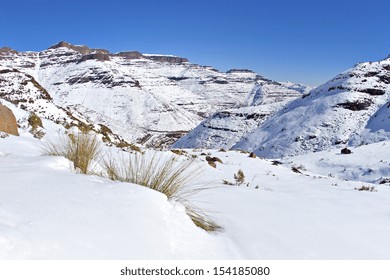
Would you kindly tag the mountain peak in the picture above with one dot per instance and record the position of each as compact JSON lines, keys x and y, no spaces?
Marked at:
{"x":78,"y":48}
{"x":7,"y":50}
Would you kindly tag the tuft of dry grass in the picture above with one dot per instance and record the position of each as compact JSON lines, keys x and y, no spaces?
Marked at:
{"x":166,"y":174}
{"x":200,"y":219}
{"x":36,"y":125}
{"x":80,"y":148}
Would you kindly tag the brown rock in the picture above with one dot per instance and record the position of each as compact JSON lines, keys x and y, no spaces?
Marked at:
{"x":252,"y":155}
{"x":8,"y":121}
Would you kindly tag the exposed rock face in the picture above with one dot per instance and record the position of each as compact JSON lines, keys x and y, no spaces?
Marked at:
{"x":8,"y":121}
{"x":96,"y":56}
{"x":169,"y":59}
{"x":130,"y":55}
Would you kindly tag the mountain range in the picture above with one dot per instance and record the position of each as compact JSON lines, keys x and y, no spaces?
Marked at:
{"x":161,"y":101}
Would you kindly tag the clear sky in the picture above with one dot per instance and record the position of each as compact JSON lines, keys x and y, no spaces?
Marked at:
{"x":297,"y":40}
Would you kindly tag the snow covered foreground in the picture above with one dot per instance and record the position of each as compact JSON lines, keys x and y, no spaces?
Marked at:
{"x":49,"y":212}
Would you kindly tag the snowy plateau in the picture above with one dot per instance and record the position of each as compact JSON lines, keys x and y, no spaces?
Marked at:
{"x":269,"y":167}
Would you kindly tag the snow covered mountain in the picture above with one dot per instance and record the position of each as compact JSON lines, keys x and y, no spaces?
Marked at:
{"x":147,"y":99}
{"x":225,"y":128}
{"x":352,"y":108}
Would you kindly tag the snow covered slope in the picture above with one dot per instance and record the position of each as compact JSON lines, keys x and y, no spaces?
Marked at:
{"x":148,"y":99}
{"x":344,"y":110}
{"x":49,"y":212}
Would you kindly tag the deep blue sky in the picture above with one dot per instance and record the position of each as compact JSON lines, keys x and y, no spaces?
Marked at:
{"x":300,"y":41}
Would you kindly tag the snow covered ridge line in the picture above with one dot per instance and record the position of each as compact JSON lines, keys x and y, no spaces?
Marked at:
{"x":103,"y":54}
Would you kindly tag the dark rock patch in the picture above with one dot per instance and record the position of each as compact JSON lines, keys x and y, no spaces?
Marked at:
{"x":169,"y":59}
{"x":346,"y":151}
{"x":355,"y":105}
{"x":178,"y":78}
{"x":373,"y":91}
{"x":239,"y":71}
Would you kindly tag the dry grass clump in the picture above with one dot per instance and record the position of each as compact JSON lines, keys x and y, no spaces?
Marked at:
{"x":200,"y":219}
{"x":34,"y":121}
{"x":166,"y":174}
{"x":179,"y":152}
{"x":239,"y":177}
{"x":36,"y":125}
{"x":81,"y":148}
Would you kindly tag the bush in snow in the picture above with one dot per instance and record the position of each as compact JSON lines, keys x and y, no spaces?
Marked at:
{"x":239,"y":177}
{"x":366,"y":188}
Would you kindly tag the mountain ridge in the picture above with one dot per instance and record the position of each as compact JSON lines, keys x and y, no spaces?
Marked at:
{"x":151,"y":100}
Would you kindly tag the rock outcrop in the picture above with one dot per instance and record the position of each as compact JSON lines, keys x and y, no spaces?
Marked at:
{"x":8,"y":121}
{"x":95,"y":56}
{"x":130,"y":55}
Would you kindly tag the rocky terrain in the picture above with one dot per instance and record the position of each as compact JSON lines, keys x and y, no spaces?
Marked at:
{"x":152,"y":100}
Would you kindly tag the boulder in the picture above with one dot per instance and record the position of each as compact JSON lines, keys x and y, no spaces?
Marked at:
{"x":8,"y":121}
